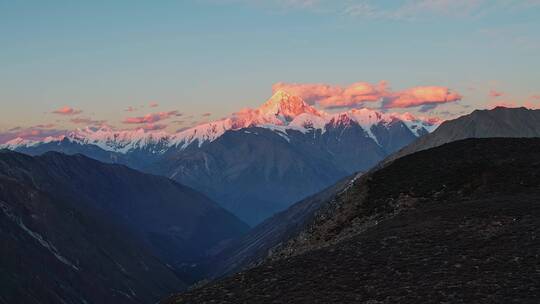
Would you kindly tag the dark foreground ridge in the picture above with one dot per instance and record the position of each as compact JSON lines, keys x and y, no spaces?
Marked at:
{"x":459,"y":223}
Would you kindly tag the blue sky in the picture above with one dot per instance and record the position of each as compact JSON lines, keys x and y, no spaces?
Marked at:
{"x":211,"y":56}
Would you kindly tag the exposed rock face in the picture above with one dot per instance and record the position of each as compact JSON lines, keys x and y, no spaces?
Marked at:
{"x":458,"y":223}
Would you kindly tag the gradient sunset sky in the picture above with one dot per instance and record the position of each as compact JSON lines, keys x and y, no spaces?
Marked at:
{"x":66,"y":64}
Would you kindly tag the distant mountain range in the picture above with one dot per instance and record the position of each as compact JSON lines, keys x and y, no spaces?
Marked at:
{"x":74,"y":230}
{"x":456,"y":223}
{"x":273,"y":234}
{"x":258,"y":161}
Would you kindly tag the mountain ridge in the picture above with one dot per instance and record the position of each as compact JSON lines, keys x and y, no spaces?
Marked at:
{"x":267,"y":238}
{"x":460,"y":227}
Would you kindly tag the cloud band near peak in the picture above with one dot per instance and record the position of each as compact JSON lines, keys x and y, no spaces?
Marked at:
{"x":354,"y":95}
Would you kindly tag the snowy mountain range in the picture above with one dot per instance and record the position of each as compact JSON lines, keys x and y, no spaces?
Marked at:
{"x":257,"y":161}
{"x":282,"y":112}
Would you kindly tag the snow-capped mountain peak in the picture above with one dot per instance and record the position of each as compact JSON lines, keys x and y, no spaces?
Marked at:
{"x":286,"y":107}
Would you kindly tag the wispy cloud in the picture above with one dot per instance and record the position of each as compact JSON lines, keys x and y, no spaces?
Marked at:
{"x":45,"y":126}
{"x":428,"y":97}
{"x":495,"y":94}
{"x":412,"y":10}
{"x":151,"y":118}
{"x":67,"y":111}
{"x":37,"y":132}
{"x":399,"y":9}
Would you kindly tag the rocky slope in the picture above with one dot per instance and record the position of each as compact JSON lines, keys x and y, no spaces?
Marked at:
{"x":177,"y":224}
{"x":457,"y":223}
{"x":256,"y":162}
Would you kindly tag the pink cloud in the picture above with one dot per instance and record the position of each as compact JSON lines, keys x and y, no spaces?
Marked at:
{"x":150,"y":118}
{"x":495,"y":94}
{"x":329,"y":96}
{"x":421,"y":96}
{"x":130,"y":109}
{"x":153,"y":105}
{"x":67,"y":111}
{"x":206,"y":114}
{"x":535,"y":97}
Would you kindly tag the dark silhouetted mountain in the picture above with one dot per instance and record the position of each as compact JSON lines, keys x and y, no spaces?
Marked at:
{"x":498,"y":122}
{"x":257,"y":162}
{"x":175,"y":224}
{"x":457,"y":223}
